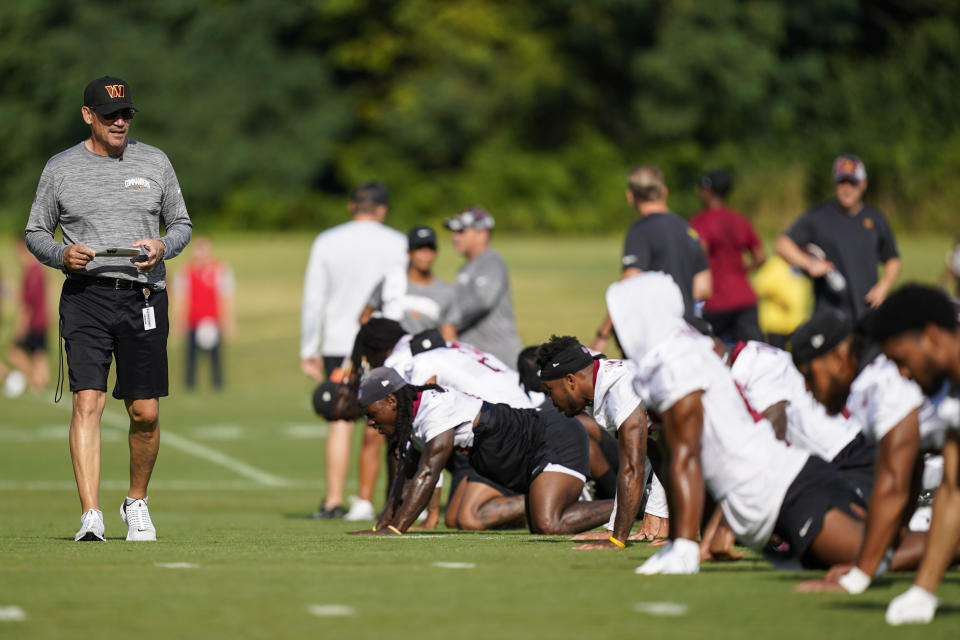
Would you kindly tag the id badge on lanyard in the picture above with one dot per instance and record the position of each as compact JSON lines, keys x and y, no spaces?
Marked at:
{"x":149,"y":319}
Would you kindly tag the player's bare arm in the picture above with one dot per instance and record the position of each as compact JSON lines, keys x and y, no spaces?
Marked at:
{"x":435,"y":454}
{"x":777,"y":415}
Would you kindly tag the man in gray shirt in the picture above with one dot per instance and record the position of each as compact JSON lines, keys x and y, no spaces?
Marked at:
{"x":108,"y":193}
{"x":414,"y":297}
{"x":483,"y":288}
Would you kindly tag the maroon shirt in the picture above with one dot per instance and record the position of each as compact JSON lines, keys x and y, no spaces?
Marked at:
{"x":34,"y":297}
{"x":727,"y":235}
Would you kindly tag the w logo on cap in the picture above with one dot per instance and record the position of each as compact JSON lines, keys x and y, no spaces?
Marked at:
{"x":115,"y":90}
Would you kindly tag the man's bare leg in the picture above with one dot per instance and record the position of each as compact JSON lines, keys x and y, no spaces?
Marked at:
{"x":483,"y":507}
{"x":369,"y":466}
{"x":85,"y":445}
{"x":144,"y":442}
{"x":553,"y":506}
{"x":338,"y":461}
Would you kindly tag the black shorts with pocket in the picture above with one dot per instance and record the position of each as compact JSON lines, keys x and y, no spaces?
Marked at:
{"x":100,"y":322}
{"x":817,"y":489}
{"x":460,"y":470}
{"x":513,"y":446}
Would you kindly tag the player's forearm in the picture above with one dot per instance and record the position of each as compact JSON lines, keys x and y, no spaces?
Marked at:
{"x":418,"y":498}
{"x":945,"y":524}
{"x":629,"y":495}
{"x":889,"y":499}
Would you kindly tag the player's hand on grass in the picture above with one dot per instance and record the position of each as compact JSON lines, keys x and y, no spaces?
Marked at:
{"x":820,"y":585}
{"x":592,"y":535}
{"x":838,"y":570}
{"x":710,"y":555}
{"x":600,"y":544}
{"x":362,"y":532}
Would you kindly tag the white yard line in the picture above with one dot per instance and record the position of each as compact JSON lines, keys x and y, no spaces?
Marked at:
{"x":12,"y":613}
{"x":120,"y":422}
{"x":331,"y":610}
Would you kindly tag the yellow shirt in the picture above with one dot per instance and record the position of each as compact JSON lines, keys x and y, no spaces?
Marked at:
{"x":785,"y":296}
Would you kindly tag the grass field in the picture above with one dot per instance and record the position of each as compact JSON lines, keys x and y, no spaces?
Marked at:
{"x":240,"y":470}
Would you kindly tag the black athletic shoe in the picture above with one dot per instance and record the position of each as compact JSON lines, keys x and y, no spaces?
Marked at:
{"x":329,"y":514}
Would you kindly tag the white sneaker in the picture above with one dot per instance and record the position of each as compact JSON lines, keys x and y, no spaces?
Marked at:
{"x":91,"y":527}
{"x":678,"y":557}
{"x":360,"y":510}
{"x":914,"y":606}
{"x":137,"y":517}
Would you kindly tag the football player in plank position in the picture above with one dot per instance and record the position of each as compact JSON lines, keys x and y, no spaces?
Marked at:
{"x":762,"y":485}
{"x":573,"y":379}
{"x":540,"y":454}
{"x":918,"y":329}
{"x":475,"y":502}
{"x":846,"y":372}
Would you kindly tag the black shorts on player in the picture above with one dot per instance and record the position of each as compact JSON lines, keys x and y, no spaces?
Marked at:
{"x":104,"y":319}
{"x":817,"y":489}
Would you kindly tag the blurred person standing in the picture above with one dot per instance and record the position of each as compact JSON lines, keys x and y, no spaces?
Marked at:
{"x":840,"y":243}
{"x":346,"y":263}
{"x":727,"y":237}
{"x":111,"y":192}
{"x":660,"y":241}
{"x":414,"y":297}
{"x":205,"y":289}
{"x":951,"y":275}
{"x":28,"y":354}
{"x":482,"y":291}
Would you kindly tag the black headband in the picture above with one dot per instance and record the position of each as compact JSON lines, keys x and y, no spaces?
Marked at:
{"x":570,"y":360}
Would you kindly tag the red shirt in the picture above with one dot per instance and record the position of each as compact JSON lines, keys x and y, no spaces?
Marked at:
{"x":205,"y":284}
{"x":34,"y":297}
{"x":727,"y":235}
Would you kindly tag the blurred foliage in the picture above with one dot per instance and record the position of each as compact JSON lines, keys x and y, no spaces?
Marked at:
{"x":272,"y":111}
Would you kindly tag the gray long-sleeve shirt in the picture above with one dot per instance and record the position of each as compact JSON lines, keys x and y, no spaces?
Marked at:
{"x":486,"y":308}
{"x":106,"y":201}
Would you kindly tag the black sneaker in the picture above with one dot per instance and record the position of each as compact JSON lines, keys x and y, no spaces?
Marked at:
{"x":336,"y":512}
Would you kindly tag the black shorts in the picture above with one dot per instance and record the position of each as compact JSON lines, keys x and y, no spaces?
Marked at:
{"x":738,"y":324}
{"x":817,"y":489}
{"x":33,"y":342}
{"x":513,"y":446}
{"x":100,"y":322}
{"x":856,"y":462}
{"x":330,"y":363}
{"x":460,"y":470}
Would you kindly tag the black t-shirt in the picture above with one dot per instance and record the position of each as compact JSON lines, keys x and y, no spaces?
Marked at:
{"x":664,"y":242}
{"x":855,"y":244}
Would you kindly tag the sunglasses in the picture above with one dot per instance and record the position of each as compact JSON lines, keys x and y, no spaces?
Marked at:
{"x":125,"y":114}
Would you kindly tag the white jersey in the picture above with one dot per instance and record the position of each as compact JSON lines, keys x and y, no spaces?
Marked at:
{"x":880,"y":398}
{"x":346,"y":263}
{"x":766,"y":376}
{"x":399,"y":358}
{"x":468,"y":369}
{"x":614,"y":397}
{"x":745,"y":468}
{"x":660,"y":303}
{"x":437,"y":412}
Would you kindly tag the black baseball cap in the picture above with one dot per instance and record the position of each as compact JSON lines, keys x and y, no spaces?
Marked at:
{"x":421,"y":237}
{"x":849,"y":168}
{"x":474,"y":217}
{"x":108,"y":94}
{"x":825,"y":330}
{"x":377,"y":384}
